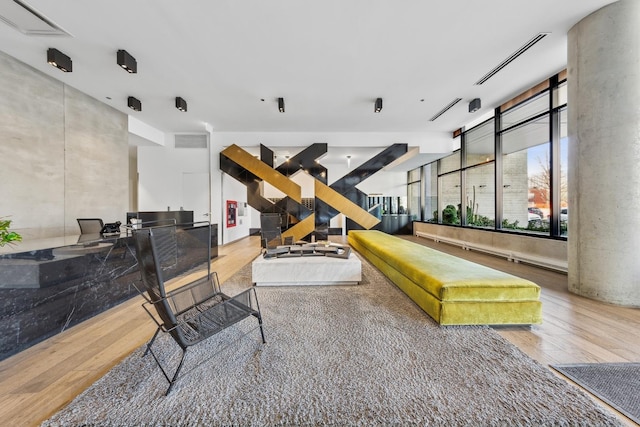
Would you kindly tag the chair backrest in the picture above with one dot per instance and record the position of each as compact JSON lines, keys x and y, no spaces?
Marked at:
{"x":271,"y":227}
{"x":156,"y":250}
{"x":272,"y":243}
{"x":90,"y":225}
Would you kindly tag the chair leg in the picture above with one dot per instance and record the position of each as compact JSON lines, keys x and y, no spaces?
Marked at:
{"x":259,"y":317}
{"x":175,"y":375}
{"x":150,"y":343}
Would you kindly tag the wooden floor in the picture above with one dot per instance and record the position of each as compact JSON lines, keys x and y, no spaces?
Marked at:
{"x":39,"y":381}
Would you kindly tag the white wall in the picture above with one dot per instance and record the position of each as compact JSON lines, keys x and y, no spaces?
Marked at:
{"x":160,"y":172}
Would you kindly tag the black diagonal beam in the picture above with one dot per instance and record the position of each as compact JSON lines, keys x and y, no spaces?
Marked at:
{"x":347,"y":184}
{"x":306,"y":161}
{"x":255,"y":199}
{"x":266,"y":155}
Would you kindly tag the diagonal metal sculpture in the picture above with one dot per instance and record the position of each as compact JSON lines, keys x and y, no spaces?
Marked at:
{"x":346,"y":186}
{"x":341,"y":197}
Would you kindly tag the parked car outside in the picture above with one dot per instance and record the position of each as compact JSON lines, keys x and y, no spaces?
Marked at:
{"x":536,"y":211}
{"x":535,"y":220}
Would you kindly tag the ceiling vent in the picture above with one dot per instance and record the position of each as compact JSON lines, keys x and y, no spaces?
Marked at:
{"x":191,"y":141}
{"x":25,"y":19}
{"x":528,"y":45}
{"x":445,"y":109}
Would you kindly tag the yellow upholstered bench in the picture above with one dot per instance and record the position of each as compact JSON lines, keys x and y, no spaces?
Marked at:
{"x":452,"y":290}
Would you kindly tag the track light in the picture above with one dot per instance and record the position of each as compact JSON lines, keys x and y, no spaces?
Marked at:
{"x":134,"y":104}
{"x":378,"y":106}
{"x":181,"y":104}
{"x":59,"y":60}
{"x":127,"y":62}
{"x":474,"y":105}
{"x":281,"y":105}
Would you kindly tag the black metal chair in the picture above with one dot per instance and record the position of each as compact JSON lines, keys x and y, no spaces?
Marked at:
{"x":271,"y":228}
{"x":193,"y":312}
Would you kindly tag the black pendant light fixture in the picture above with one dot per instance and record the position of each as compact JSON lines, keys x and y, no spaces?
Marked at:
{"x":127,"y":62}
{"x":59,"y":60}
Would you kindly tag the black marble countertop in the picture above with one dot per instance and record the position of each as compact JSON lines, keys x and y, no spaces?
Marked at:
{"x":30,"y":245}
{"x":49,"y":285}
{"x":46,"y":262}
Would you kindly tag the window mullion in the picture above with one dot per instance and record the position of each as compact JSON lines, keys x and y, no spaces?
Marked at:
{"x":554,"y":138}
{"x":498,"y":168}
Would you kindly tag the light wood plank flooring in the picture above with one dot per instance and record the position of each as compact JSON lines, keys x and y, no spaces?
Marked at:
{"x":39,"y":381}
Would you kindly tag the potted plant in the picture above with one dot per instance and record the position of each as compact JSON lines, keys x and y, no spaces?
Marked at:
{"x":6,"y":236}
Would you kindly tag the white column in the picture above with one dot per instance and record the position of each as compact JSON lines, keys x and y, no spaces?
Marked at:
{"x":604,"y":154}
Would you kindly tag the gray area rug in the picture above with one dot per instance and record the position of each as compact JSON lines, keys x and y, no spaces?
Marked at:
{"x":340,"y":356}
{"x":618,"y":384}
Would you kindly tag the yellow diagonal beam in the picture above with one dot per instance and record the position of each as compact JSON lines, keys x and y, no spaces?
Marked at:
{"x":344,"y":205}
{"x":264,"y":172}
{"x":302,"y":228}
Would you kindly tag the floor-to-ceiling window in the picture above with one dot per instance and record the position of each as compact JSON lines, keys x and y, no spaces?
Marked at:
{"x":526,"y":168}
{"x":449,"y":189}
{"x":511,"y":171}
{"x":480,"y":190}
{"x":564,"y":151}
{"x":430,"y":183}
{"x":560,"y":105}
{"x":414,"y":202}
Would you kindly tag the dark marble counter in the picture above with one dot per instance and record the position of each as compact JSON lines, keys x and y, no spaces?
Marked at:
{"x":53,"y":284}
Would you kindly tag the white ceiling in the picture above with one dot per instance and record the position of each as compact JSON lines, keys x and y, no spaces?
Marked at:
{"x":329,"y":59}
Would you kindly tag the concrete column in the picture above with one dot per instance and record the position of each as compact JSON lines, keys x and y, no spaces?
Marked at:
{"x":604,"y":154}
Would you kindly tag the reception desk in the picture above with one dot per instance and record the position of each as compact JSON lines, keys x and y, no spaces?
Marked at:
{"x":49,"y":285}
{"x":161,"y":217}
